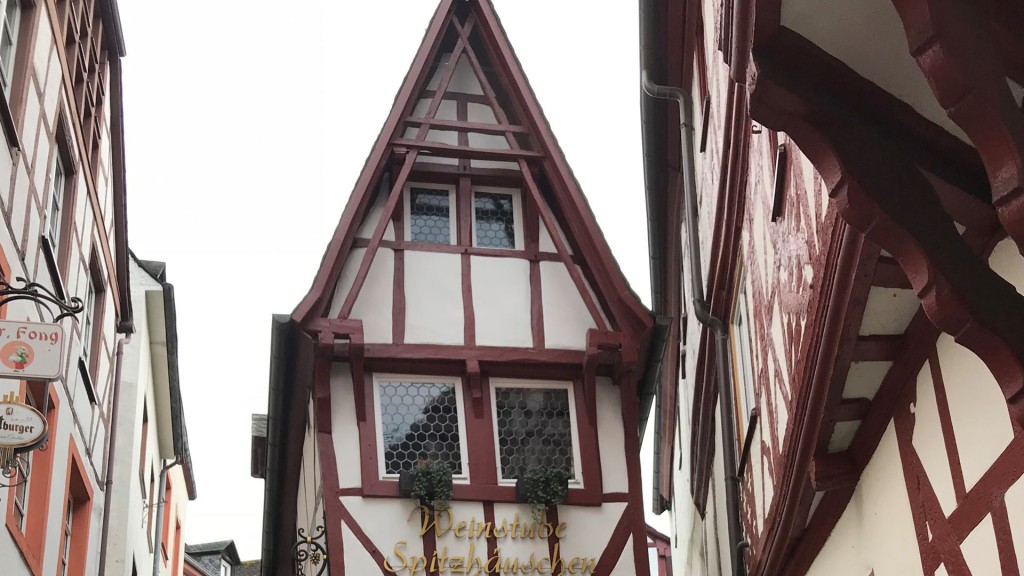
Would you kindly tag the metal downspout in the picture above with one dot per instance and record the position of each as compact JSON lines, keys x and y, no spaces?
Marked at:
{"x":158,"y":537}
{"x":108,"y":482}
{"x":702,"y":310}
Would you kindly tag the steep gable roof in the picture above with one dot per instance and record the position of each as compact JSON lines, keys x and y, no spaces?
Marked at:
{"x":467,"y":36}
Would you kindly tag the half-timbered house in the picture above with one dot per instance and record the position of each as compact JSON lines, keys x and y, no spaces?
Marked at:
{"x":467,"y":312}
{"x":848,"y":178}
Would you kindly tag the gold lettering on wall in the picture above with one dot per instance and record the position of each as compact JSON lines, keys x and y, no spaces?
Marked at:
{"x":443,"y":523}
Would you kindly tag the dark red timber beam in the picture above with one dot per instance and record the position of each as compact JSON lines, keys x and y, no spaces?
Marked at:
{"x":314,"y":303}
{"x":955,"y":49}
{"x":621,"y":305}
{"x":538,"y":201}
{"x":403,"y":176}
{"x":910,"y":227}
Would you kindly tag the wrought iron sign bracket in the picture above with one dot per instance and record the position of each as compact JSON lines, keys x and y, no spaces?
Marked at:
{"x":310,"y":550}
{"x":58,"y":308}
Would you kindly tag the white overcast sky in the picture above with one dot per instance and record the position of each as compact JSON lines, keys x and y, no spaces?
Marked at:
{"x":247,"y":122}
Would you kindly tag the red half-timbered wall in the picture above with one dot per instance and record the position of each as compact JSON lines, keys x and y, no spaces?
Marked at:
{"x":875,"y":242}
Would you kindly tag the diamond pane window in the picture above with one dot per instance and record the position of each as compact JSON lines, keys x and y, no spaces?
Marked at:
{"x":534,"y":428}
{"x":419,"y":422}
{"x":430,"y":216}
{"x":495,"y":220}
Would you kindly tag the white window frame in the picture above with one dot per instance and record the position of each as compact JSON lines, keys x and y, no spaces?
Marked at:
{"x":55,"y":208}
{"x":420,"y":379}
{"x":743,"y":361}
{"x":11,"y":28}
{"x":496,"y":383}
{"x":69,"y":516}
{"x":517,"y":214}
{"x":453,"y":213}
{"x":225,"y":567}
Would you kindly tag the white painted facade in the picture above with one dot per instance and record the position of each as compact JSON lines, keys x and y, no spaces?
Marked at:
{"x":144,"y":446}
{"x":46,"y":130}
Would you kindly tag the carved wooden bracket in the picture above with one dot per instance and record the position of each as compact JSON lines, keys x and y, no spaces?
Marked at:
{"x":327,"y":331}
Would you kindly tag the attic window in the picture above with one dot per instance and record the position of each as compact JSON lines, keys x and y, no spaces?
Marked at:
{"x":429,"y":214}
{"x":497,"y":221}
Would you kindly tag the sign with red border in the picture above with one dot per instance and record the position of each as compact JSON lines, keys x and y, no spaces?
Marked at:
{"x":31,"y":350}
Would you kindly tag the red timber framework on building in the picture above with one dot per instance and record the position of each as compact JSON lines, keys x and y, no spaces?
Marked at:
{"x":913,"y":210}
{"x":436,"y":134}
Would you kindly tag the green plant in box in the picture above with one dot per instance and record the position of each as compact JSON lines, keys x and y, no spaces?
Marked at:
{"x":432,"y":484}
{"x":543,"y":487}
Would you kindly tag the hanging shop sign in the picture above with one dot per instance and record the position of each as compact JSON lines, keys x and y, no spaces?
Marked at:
{"x":477,"y":561}
{"x":21,"y":426}
{"x":30,"y":350}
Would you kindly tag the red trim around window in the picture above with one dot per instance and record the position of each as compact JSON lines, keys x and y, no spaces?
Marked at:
{"x":79,"y":489}
{"x":32,"y":541}
{"x":477,"y":418}
{"x":165,"y":538}
{"x":177,"y":552}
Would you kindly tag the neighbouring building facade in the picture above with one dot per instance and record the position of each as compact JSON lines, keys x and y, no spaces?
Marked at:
{"x":218,"y":559}
{"x":151,"y":468}
{"x":62,"y":201}
{"x":468,"y":316}
{"x":836,"y":191}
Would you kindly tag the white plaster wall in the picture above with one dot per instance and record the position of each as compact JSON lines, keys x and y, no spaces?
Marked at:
{"x":877,"y":530}
{"x":357,"y":559}
{"x":626,"y":565}
{"x":375,"y":301}
{"x":372,"y":218}
{"x":979,"y":548}
{"x":433,"y":298}
{"x":501,"y":301}
{"x":468,"y":548}
{"x":463,"y":79}
{"x":545,"y":243}
{"x":611,"y":437}
{"x":978,"y":411}
{"x":589,"y":529}
{"x":387,"y":521}
{"x":519,"y":548}
{"x":566,"y":318}
{"x":868,"y":36}
{"x":928,"y":441}
{"x":374,"y":304}
{"x":307,"y":503}
{"x":1008,"y":263}
{"x":344,"y":427}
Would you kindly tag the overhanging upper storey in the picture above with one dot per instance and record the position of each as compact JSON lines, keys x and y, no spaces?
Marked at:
{"x":467,"y":186}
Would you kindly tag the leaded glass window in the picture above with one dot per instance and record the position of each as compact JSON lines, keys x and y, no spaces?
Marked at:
{"x":419,"y":422}
{"x":430,"y":216}
{"x":494,"y":215}
{"x":534,"y":426}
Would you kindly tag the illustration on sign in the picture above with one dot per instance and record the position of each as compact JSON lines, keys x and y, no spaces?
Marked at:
{"x":30,"y":350}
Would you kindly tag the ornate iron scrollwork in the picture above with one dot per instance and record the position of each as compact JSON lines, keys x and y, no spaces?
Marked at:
{"x":12,"y":475}
{"x":310,"y":550}
{"x":41,"y":295}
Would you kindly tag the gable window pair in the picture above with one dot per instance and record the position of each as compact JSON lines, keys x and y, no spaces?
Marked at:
{"x":431,"y":216}
{"x":423,"y":419}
